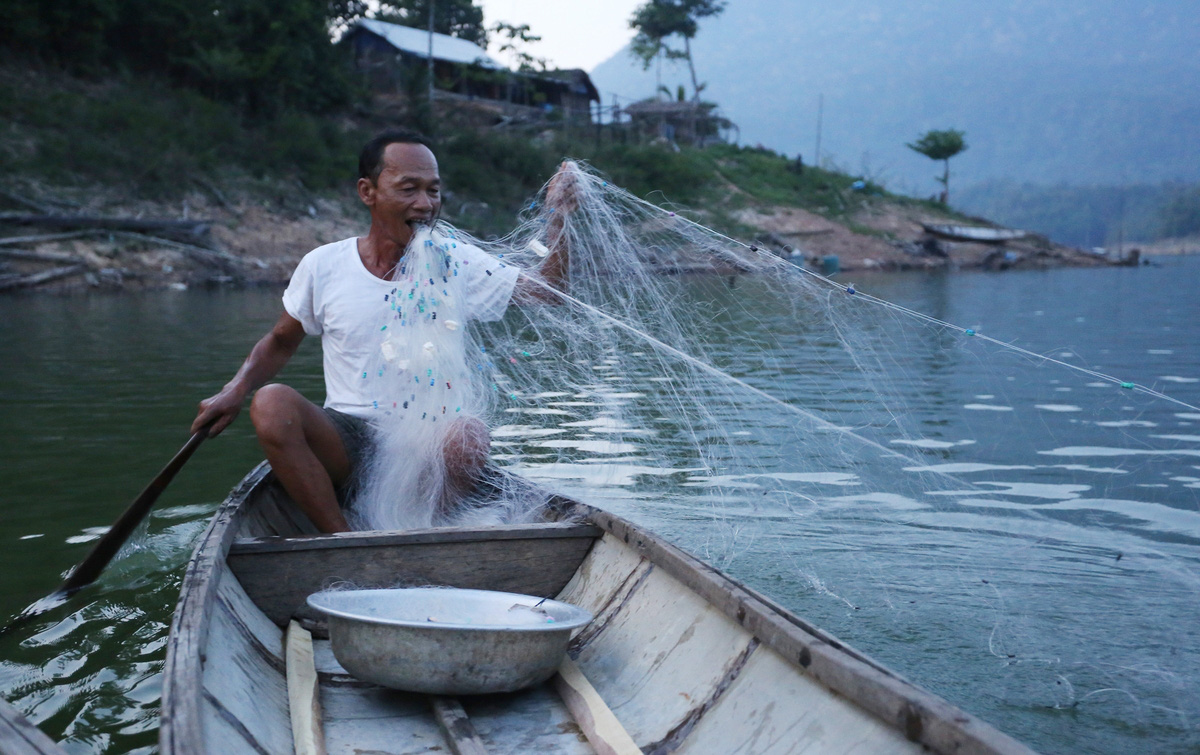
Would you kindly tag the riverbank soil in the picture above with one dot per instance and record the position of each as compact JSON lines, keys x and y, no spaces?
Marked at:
{"x":256,"y":238}
{"x":886,"y":235}
{"x":242,"y":239}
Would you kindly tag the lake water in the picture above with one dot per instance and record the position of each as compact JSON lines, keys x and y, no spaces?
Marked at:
{"x":1054,"y":592}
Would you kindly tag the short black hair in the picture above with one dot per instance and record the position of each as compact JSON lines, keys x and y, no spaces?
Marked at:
{"x":370,"y":160}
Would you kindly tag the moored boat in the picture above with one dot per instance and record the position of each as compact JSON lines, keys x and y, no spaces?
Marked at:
{"x":679,"y":657}
{"x":979,"y":234}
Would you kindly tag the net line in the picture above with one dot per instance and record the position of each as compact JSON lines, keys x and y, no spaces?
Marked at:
{"x":775,"y":261}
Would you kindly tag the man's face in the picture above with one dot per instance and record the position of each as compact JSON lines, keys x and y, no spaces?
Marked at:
{"x":408,"y":191}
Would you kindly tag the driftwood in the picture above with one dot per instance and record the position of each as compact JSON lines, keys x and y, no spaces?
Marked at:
{"x":15,"y":254}
{"x":47,"y":206}
{"x":225,"y":260}
{"x":216,"y":193}
{"x":43,"y":238}
{"x":12,"y":282}
{"x":211,"y":257}
{"x":182,"y":228}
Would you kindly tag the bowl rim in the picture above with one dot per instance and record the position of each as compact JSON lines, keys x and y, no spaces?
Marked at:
{"x":578,"y":616}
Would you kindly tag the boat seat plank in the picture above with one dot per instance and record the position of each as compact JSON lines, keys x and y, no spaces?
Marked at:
{"x":279,"y":574}
{"x":771,"y":710}
{"x":18,"y":736}
{"x":457,"y":727}
{"x":303,"y":696}
{"x":245,"y":693}
{"x":550,"y":530}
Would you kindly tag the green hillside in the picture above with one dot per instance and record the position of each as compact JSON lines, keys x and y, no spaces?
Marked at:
{"x":138,"y":137}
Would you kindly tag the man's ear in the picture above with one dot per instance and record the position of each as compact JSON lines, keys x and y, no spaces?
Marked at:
{"x":366,"y":191}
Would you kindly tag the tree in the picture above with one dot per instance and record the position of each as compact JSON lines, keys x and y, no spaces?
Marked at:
{"x":517,"y":38}
{"x":457,"y":18}
{"x":941,"y":145}
{"x":657,"y":20}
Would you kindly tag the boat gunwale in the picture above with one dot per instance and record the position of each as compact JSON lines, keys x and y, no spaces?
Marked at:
{"x":180,"y":727}
{"x":20,"y":736}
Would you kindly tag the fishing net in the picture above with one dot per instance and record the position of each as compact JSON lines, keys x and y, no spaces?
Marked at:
{"x":623,"y":354}
{"x":931,"y":493}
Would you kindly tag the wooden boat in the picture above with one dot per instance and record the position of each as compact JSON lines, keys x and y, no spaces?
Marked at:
{"x":978,"y":234}
{"x":679,"y":657}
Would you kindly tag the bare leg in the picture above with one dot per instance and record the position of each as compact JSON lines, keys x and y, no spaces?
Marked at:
{"x":305,"y":451}
{"x":465,"y":452}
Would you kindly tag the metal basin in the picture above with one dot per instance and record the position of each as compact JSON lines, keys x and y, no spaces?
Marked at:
{"x":448,"y":641}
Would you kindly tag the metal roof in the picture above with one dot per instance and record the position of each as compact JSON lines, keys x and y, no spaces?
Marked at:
{"x":416,"y":42}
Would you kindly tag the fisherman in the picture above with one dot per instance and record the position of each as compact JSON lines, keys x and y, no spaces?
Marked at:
{"x":315,"y":451}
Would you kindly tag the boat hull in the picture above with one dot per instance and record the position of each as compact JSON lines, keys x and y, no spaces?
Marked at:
{"x":682,"y":657}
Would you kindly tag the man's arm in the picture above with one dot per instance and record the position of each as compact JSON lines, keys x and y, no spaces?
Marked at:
{"x":562,"y":197}
{"x":266,"y":359}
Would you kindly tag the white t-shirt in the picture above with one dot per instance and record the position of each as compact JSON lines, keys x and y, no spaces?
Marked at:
{"x":333,"y":295}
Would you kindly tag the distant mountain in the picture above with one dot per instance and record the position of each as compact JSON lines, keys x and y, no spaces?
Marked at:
{"x":1070,"y":91}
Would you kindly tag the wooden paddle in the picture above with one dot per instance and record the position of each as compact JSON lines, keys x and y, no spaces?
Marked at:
{"x":108,"y":546}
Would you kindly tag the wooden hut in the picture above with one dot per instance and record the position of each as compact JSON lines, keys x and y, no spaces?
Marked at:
{"x":680,"y":122}
{"x":394,"y":59}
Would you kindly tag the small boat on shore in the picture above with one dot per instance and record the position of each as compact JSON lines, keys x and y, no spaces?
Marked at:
{"x":978,"y":234}
{"x":679,"y":657}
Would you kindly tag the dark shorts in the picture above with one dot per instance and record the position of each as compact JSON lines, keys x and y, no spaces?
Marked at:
{"x":355,"y":433}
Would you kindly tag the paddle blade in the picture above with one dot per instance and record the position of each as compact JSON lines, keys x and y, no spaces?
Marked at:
{"x":110,"y":543}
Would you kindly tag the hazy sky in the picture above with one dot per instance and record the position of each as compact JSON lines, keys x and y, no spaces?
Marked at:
{"x":575,"y":33}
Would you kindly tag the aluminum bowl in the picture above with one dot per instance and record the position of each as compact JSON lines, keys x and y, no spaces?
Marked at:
{"x":447,"y":641}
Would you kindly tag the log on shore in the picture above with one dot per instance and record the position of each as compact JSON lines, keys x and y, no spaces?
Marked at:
{"x":205,"y":255}
{"x":13,"y":282}
{"x":16,"y":254}
{"x":189,"y":229}
{"x":229,"y":262}
{"x":42,"y":238}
